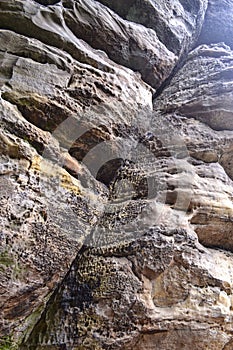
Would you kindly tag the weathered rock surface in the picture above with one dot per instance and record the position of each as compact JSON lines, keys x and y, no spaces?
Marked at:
{"x":43,"y":228}
{"x":162,"y":291}
{"x":68,"y":25}
{"x":202,"y":90}
{"x":116,"y":212}
{"x":203,"y":87}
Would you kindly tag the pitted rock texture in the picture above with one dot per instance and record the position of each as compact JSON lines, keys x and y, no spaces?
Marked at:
{"x":160,"y":290}
{"x":116,"y":210}
{"x":44,"y":227}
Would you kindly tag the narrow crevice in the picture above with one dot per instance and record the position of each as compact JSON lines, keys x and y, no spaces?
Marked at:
{"x":167,"y":81}
{"x":31,"y":340}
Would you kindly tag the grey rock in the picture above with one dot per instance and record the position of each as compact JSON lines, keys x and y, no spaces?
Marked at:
{"x":177,"y":23}
{"x":218,"y":26}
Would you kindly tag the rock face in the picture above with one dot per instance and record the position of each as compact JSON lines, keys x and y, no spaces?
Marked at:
{"x":116,"y":209}
{"x":216,"y":28}
{"x":177,"y":23}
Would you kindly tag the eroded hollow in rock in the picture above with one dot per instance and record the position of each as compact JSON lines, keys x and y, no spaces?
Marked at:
{"x":100,"y":150}
{"x":123,"y":178}
{"x":87,"y":141}
{"x":107,"y":171}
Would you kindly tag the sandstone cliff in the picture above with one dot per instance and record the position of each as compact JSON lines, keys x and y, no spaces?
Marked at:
{"x":116,"y":175}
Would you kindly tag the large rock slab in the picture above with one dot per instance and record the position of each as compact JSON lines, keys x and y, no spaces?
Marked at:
{"x":202,"y":89}
{"x":45,"y":209}
{"x":177,"y":23}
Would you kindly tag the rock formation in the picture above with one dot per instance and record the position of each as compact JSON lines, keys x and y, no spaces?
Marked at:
{"x":116,"y":175}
